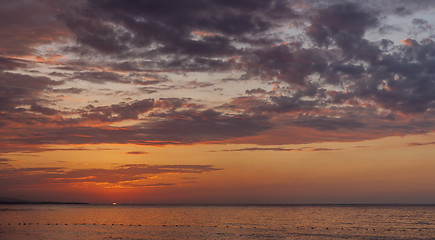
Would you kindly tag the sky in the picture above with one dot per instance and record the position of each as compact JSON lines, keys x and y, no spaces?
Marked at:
{"x":218,"y":101}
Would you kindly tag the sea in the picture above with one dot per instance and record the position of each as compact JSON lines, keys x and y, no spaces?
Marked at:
{"x":87,"y":221}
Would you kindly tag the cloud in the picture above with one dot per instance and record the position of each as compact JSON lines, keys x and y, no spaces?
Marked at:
{"x":129,"y":172}
{"x":118,"y":112}
{"x":421,"y":144}
{"x":343,"y":24}
{"x":324,"y":149}
{"x":72,"y":90}
{"x":99,"y":77}
{"x":209,"y":125}
{"x":286,"y":63}
{"x":20,"y":89}
{"x":78,"y":149}
{"x":26,"y":25}
{"x":5,"y":162}
{"x":150,"y":185}
{"x":332,"y":73}
{"x":43,"y":110}
{"x":129,"y":175}
{"x":260,"y":149}
{"x":402,"y":8}
{"x":279,"y":149}
{"x":136,"y":153}
{"x":256,"y":91}
{"x":114,"y":27}
{"x":196,"y":84}
{"x":7,"y":147}
{"x":328,"y":124}
{"x":159,"y":128}
{"x":7,"y":63}
{"x":408,"y":77}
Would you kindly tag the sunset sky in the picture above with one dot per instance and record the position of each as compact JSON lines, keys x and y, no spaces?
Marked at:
{"x":218,"y":101}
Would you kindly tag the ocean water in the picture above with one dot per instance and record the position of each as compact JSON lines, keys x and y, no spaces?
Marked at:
{"x":216,"y":222}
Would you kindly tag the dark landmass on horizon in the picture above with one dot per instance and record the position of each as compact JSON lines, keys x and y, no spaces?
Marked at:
{"x":4,"y":200}
{"x":20,"y":201}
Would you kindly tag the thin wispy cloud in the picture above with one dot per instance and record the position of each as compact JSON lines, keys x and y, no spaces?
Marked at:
{"x":278,"y":149}
{"x":128,"y":175}
{"x":421,"y":144}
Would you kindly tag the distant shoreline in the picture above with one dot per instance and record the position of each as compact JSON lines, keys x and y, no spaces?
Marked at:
{"x":42,"y":203}
{"x":232,"y":205}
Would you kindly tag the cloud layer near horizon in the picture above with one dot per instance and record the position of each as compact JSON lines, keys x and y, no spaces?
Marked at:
{"x":124,"y":176}
{"x":185,"y":72}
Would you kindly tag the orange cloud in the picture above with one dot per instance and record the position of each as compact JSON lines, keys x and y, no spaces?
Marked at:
{"x":408,"y":41}
{"x":204,"y":34}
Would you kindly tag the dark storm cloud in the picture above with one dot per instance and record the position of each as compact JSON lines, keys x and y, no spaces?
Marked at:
{"x":171,"y":127}
{"x":26,"y":24}
{"x":189,"y":39}
{"x":175,"y":103}
{"x":329,"y":69}
{"x":402,"y":7}
{"x":102,"y":77}
{"x":130,"y":111}
{"x":118,"y":112}
{"x":328,"y":124}
{"x":177,"y":63}
{"x":72,"y":90}
{"x":99,"y":77}
{"x":113,"y":26}
{"x":256,"y":91}
{"x":290,"y":104}
{"x":286,"y":63}
{"x":399,"y":79}
{"x":403,"y":81}
{"x":58,"y":74}
{"x":19,"y":89}
{"x":284,"y":104}
{"x":209,"y":125}
{"x":7,"y":63}
{"x":387,"y":29}
{"x":196,"y":84}
{"x":343,"y":24}
{"x":265,"y":104}
{"x":43,"y":110}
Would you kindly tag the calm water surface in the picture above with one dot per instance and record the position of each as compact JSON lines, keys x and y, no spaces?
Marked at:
{"x":216,"y":222}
